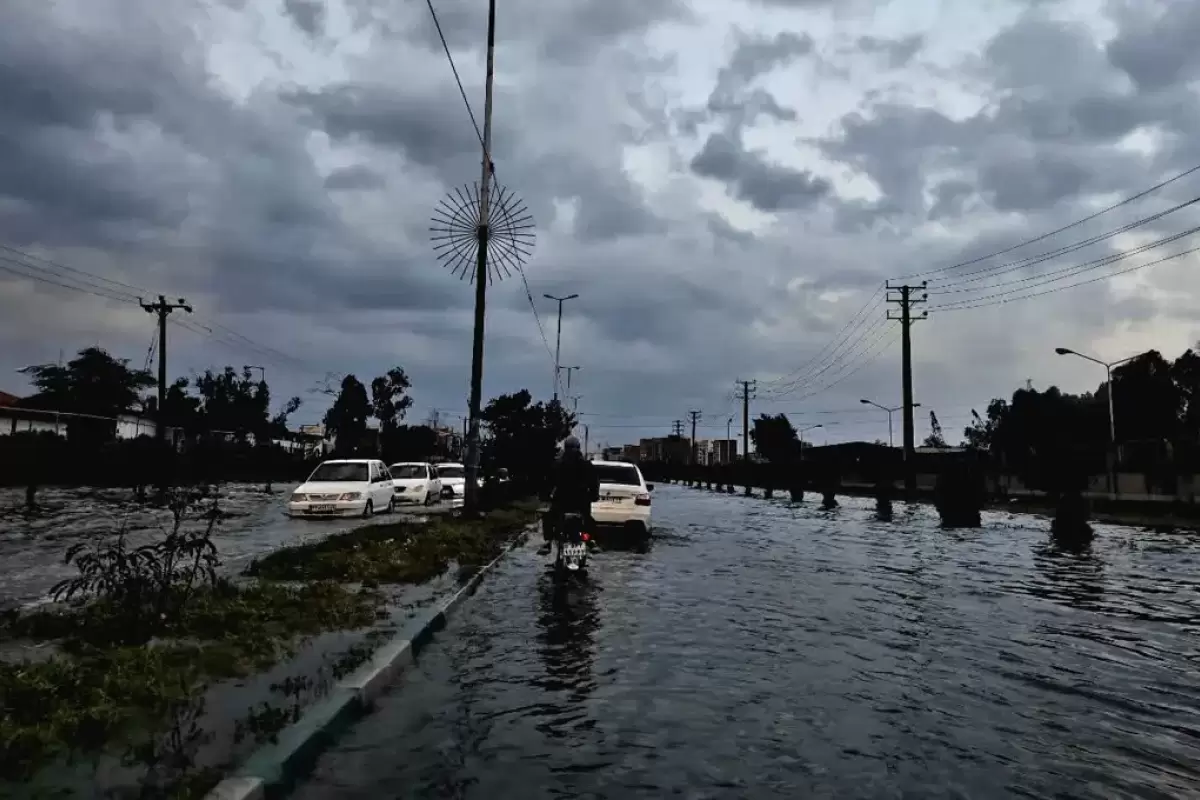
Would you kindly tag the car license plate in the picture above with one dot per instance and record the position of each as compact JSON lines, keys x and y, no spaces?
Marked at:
{"x":322,"y":508}
{"x":613,"y":499}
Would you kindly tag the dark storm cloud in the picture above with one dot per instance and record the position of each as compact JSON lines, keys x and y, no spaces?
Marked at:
{"x":309,"y":15}
{"x":356,"y":177}
{"x":768,"y":187}
{"x":563,"y":33}
{"x":1159,"y":50}
{"x":1051,"y":133}
{"x":898,"y":52}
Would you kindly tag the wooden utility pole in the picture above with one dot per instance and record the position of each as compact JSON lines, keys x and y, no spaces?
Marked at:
{"x":748,"y":388}
{"x":906,"y":297}
{"x":471,"y":483}
{"x":163,"y":309}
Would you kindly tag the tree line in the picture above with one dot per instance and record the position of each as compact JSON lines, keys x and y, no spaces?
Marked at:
{"x":222,"y":427}
{"x":1049,"y":437}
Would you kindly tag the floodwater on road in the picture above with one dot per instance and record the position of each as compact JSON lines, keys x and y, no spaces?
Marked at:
{"x":764,"y":649}
{"x":32,"y":546}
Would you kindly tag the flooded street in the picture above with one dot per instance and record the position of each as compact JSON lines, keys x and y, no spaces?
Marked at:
{"x":764,"y":650}
{"x":32,"y":547}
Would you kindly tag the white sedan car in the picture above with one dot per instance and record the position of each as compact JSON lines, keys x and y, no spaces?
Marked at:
{"x":453,"y":477}
{"x":624,"y":496}
{"x":416,"y":482}
{"x":344,"y":488}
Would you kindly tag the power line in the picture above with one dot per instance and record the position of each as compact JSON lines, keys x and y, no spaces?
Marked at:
{"x":1057,"y":231}
{"x":1016,"y":266}
{"x":974,"y":302}
{"x":541,"y":329}
{"x":861,"y":316}
{"x":454,"y":69}
{"x":92,"y":284}
{"x":846,"y":358}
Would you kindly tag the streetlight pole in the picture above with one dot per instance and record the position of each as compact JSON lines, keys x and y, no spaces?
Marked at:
{"x":1112,"y":420}
{"x":569,"y":370}
{"x":558,"y":339}
{"x":890,"y":411}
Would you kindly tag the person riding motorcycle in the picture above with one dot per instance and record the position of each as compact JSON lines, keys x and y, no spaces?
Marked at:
{"x":576,"y":487}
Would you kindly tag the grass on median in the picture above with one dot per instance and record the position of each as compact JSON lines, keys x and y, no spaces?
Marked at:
{"x":100,"y":694}
{"x":107,"y":690}
{"x":400,"y":552}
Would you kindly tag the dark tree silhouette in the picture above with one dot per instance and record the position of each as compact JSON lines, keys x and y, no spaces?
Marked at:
{"x":94,"y":383}
{"x":346,"y":420}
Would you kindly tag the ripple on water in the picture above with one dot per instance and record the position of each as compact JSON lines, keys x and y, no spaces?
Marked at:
{"x":769,"y":649}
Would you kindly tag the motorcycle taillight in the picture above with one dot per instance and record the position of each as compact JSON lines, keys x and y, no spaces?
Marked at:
{"x":585,"y":536}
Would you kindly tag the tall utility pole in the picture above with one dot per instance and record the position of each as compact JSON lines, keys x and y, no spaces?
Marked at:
{"x":482,"y":232}
{"x":906,"y":297}
{"x":728,"y":438}
{"x":569,"y":370}
{"x":558,"y":340}
{"x":694,"y":415}
{"x":748,"y":388}
{"x":163,"y":309}
{"x":677,"y":428}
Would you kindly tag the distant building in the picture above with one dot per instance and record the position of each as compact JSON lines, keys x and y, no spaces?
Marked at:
{"x":722,"y":451}
{"x":673,"y":449}
{"x":612,"y":453}
{"x":631,"y":453}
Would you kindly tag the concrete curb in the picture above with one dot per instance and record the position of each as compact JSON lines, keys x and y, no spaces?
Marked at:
{"x":272,"y":770}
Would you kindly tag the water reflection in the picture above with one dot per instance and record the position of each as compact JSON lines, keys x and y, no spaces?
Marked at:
{"x":567,"y":619}
{"x":1074,"y":575}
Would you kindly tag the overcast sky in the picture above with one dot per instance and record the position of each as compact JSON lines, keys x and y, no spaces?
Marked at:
{"x":726,"y":184}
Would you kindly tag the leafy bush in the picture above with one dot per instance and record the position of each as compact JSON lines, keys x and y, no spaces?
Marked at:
{"x":147,"y":586}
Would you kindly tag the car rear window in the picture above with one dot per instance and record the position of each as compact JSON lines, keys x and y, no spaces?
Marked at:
{"x":408,"y":471}
{"x":626,"y":476}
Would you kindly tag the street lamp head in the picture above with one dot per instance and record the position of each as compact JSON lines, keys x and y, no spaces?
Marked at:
{"x":916,"y":405}
{"x":1062,"y":351}
{"x":865,"y":402}
{"x":571,"y":297}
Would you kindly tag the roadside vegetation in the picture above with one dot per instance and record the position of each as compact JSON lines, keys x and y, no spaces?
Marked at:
{"x":121,"y":663}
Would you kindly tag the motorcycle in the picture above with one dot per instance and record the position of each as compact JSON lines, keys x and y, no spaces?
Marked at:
{"x":571,"y":545}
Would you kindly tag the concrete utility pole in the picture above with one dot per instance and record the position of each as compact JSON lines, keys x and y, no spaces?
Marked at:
{"x":905,"y":296}
{"x":728,"y":439}
{"x":748,"y":388}
{"x":677,"y":428}
{"x":694,"y":415}
{"x":482,"y":233}
{"x":163,"y":309}
{"x":558,"y":340}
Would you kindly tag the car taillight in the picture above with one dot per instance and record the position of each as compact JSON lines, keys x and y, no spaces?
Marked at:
{"x":642,"y":500}
{"x":585,"y":536}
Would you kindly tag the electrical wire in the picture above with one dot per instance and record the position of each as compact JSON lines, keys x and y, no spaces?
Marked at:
{"x":1065,"y":272}
{"x":541,"y":329}
{"x":1044,"y":236}
{"x":437,"y":24}
{"x":977,"y":302}
{"x":838,"y":339}
{"x":1015,"y":266}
